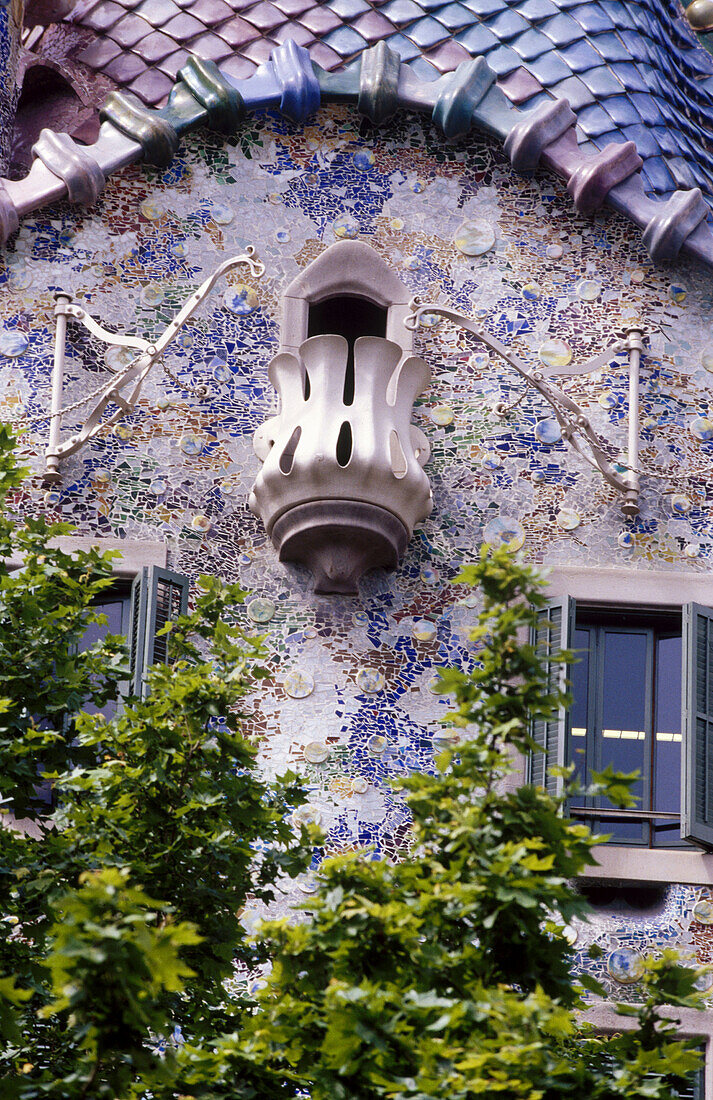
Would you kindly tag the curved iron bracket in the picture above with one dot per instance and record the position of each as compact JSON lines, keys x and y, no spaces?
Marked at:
{"x":573,"y":421}
{"x":124,"y":387}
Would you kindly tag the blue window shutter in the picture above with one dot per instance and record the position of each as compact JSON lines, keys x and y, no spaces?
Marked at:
{"x":697,"y":725}
{"x":158,"y":596}
{"x":555,"y":627}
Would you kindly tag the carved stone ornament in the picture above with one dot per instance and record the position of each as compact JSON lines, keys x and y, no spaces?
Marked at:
{"x":342,"y":486}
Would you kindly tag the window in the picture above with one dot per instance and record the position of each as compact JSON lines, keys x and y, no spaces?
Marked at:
{"x":157,"y":597}
{"x":642,"y":701}
{"x":139,"y":611}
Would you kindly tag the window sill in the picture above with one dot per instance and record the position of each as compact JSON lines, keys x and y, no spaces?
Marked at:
{"x":134,"y":553}
{"x":663,"y":865}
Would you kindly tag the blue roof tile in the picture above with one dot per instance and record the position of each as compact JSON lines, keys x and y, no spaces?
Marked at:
{"x":593,"y":19}
{"x":562,"y":30}
{"x":575,"y":91}
{"x":478,"y":39}
{"x":532,"y":44}
{"x":594,"y":120}
{"x":507,"y":24}
{"x":427,"y":32}
{"x":611,"y":47}
{"x":404,"y":47}
{"x":536,"y":10}
{"x":580,"y":56}
{"x":455,"y":17}
{"x":504,"y":60}
{"x":549,"y":69}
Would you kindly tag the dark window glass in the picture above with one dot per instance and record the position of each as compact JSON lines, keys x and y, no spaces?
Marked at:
{"x":627,"y":714}
{"x":351,"y":318}
{"x":117,"y":611}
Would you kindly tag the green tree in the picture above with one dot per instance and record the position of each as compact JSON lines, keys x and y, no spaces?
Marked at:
{"x":444,"y":975}
{"x":448,"y":975}
{"x":161,"y":802}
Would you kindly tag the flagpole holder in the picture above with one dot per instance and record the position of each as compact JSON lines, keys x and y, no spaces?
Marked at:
{"x":574,"y":423}
{"x":123,"y":389}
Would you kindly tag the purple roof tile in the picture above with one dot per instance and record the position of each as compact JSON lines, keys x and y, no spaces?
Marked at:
{"x":125,"y":67}
{"x":265,"y":17}
{"x":294,"y":7}
{"x":448,"y":56}
{"x":157,"y":12}
{"x":324,"y":56}
{"x":373,"y":25}
{"x":240,"y":68}
{"x":155,"y":47}
{"x":104,"y":15}
{"x":152,"y":86}
{"x":293,"y":32}
{"x":209,"y":47}
{"x":171,"y":64}
{"x":259,"y":51}
{"x":320,"y":20}
{"x":99,"y":53}
{"x":130,"y":30}
{"x":182,"y":27}
{"x":211,"y":12}
{"x":237,"y":32}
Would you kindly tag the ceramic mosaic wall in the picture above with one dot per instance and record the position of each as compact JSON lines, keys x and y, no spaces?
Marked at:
{"x":351,"y":702}
{"x":10,"y":29}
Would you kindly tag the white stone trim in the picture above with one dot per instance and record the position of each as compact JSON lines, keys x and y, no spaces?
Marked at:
{"x":692,"y":1024}
{"x":630,"y":586}
{"x":648,"y":588}
{"x":134,"y":553}
{"x":347,"y":268}
{"x":664,"y":865}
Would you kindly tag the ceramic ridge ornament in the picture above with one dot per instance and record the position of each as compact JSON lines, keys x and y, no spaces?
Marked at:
{"x":342,"y":484}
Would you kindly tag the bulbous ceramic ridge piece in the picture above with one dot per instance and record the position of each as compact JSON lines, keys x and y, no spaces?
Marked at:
{"x":79,"y":172}
{"x":342,"y":484}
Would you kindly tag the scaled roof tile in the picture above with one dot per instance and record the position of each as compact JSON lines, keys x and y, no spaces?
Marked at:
{"x":447,"y":56}
{"x":211,"y":12}
{"x":157,"y":12}
{"x":319,"y":20}
{"x":345,"y":9}
{"x":325,"y":56}
{"x":99,"y":53}
{"x":238,"y":67}
{"x":265,"y":16}
{"x":294,"y":32}
{"x":152,"y":86}
{"x":130,"y":31}
{"x":171,"y":64}
{"x":155,"y":47}
{"x":103,"y":16}
{"x":237,"y":32}
{"x":373,"y":25}
{"x":259,"y":51}
{"x":183,"y":26}
{"x":209,"y":46}
{"x":125,"y":67}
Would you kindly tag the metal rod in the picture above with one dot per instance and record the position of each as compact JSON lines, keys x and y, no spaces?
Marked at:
{"x":622,"y":815}
{"x":630,"y":507}
{"x":51,"y":474}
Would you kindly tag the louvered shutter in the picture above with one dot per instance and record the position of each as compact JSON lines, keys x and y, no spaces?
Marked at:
{"x":697,"y":725}
{"x":555,"y":627}
{"x":158,"y":596}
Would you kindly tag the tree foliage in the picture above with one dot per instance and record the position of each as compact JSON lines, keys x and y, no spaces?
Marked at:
{"x":444,"y":975}
{"x":161,"y":801}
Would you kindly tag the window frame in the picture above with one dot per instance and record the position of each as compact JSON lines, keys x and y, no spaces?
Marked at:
{"x":653,"y":625}
{"x":614,"y":586}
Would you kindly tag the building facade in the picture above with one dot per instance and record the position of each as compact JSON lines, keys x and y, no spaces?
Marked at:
{"x":540,"y":170}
